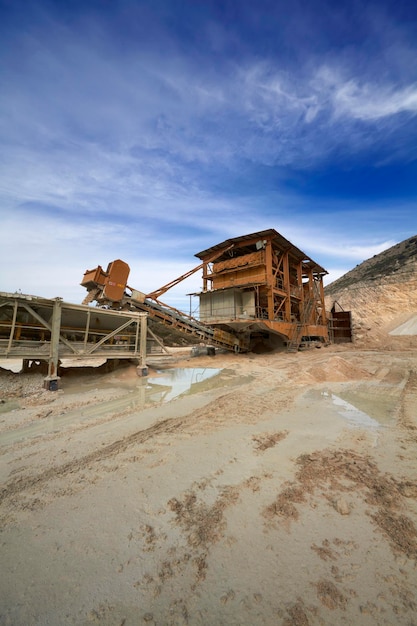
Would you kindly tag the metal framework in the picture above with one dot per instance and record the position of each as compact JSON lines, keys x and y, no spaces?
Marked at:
{"x":40,"y":329}
{"x":108,"y":289}
{"x":256,"y":285}
{"x":263,"y":282}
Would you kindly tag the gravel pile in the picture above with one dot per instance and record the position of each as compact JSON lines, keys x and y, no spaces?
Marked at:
{"x":20,"y":385}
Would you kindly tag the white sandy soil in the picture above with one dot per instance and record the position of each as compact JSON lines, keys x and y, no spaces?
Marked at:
{"x":280,"y":491}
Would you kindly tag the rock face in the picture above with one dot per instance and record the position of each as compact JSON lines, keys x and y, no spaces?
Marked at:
{"x":381,"y":293}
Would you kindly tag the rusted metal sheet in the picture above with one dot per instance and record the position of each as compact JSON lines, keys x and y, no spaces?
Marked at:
{"x":116,"y":280}
{"x":109,"y":284}
{"x":244,"y":261}
{"x":341,"y":326}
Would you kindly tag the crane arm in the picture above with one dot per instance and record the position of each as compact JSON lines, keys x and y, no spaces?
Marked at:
{"x":154,"y":295}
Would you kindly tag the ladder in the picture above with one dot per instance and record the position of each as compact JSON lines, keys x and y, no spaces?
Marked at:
{"x":295,"y":340}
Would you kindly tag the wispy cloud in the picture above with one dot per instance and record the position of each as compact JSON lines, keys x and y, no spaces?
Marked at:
{"x":366,"y":101}
{"x":149,"y":104}
{"x":141,"y":147}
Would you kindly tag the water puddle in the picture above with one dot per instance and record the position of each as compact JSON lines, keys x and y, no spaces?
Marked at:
{"x":140,"y":393}
{"x":351,"y":413}
{"x":182,"y":380}
{"x":363,"y":405}
{"x":380,"y":402}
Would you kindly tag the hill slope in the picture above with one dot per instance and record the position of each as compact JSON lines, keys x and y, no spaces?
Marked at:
{"x":381,"y":292}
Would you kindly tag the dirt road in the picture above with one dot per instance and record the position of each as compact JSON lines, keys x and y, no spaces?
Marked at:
{"x":266,"y":489}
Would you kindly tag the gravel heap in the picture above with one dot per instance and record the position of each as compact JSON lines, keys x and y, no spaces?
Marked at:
{"x":20,"y":385}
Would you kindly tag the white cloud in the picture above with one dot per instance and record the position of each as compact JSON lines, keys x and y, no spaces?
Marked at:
{"x":114,"y":153}
{"x":373,"y":101}
{"x":334,"y":273}
{"x":341,"y":246}
{"x":143,"y":118}
{"x":50,"y":252}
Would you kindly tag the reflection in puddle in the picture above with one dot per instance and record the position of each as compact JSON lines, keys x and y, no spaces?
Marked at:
{"x":379,"y":402}
{"x":348,"y":411}
{"x":181,"y":380}
{"x":140,"y":393}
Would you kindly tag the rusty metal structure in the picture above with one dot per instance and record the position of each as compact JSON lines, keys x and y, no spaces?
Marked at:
{"x":258,"y":287}
{"x":179,"y":324}
{"x":340,"y":324}
{"x":41,"y":330}
{"x":261,"y":285}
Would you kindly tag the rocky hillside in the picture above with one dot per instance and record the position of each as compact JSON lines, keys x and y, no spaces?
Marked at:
{"x":381,"y":292}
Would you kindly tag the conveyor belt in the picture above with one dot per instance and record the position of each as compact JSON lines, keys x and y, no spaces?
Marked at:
{"x":187,"y":325}
{"x":110,"y":289}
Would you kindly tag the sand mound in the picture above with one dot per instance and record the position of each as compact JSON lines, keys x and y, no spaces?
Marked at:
{"x":337,"y":369}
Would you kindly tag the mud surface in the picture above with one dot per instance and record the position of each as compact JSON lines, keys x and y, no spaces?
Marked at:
{"x":253,"y":489}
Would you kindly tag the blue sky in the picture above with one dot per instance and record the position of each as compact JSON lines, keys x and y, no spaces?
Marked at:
{"x":151,"y":130}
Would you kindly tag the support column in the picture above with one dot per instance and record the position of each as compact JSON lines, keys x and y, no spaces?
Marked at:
{"x":141,"y":369}
{"x":205,"y":281}
{"x":287,"y":286}
{"x":323,"y":305}
{"x":309,"y":299}
{"x":11,"y":336}
{"x":51,"y":381}
{"x":269,"y":279}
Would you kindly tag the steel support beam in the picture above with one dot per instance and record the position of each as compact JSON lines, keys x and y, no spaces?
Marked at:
{"x":50,"y":330}
{"x":51,"y":381}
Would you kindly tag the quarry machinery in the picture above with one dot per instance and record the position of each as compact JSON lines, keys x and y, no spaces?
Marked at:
{"x":258,"y":288}
{"x":110,"y":289}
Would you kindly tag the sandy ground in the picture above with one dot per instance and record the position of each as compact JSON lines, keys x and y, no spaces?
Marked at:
{"x":281,"y":490}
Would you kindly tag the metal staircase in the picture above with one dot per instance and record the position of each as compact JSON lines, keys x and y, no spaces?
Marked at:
{"x":295,"y":341}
